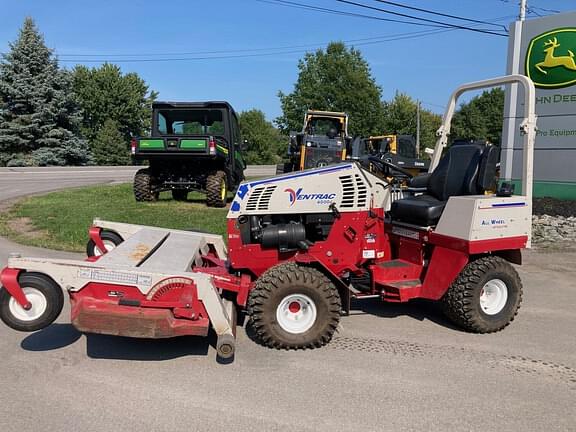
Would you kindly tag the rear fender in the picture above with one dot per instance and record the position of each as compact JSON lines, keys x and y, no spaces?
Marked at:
{"x":511,"y":255}
{"x":445,"y":265}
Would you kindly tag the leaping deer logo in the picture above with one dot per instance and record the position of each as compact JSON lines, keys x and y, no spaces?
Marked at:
{"x":551,"y":61}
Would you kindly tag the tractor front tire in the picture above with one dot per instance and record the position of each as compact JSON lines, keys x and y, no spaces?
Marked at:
{"x":216,"y":189}
{"x":110,"y":240}
{"x":485,"y":297}
{"x":180,"y":194}
{"x":293,"y":307}
{"x":144,"y":186}
{"x":44,"y":295}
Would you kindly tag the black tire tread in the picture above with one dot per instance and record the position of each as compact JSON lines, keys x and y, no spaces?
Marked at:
{"x":272,"y":280}
{"x":104,"y":235}
{"x":143,"y":183}
{"x":55,"y":302}
{"x":213,"y":183}
{"x":458,"y":301}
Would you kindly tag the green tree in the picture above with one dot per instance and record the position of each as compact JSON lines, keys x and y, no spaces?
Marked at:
{"x":105,"y":93}
{"x":481,"y":118}
{"x":39,"y":116}
{"x":109,"y":146}
{"x":338,"y":79}
{"x":400,"y":117}
{"x":265,"y":143}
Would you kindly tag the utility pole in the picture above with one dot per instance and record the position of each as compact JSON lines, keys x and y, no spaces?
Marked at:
{"x":418,"y":128}
{"x":522,"y":16}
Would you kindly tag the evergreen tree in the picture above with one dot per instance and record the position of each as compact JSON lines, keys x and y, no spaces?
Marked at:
{"x":39,"y":117}
{"x":337,"y":79}
{"x":109,"y":146}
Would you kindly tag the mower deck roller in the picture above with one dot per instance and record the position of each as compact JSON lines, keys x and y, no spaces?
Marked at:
{"x":144,"y":287}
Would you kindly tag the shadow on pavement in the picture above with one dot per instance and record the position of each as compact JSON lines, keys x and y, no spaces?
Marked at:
{"x":418,"y":309}
{"x":51,"y":338}
{"x":124,"y":348}
{"x":58,"y":336}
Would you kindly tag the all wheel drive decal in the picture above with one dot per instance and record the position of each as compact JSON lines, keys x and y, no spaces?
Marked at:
{"x":494,"y":223}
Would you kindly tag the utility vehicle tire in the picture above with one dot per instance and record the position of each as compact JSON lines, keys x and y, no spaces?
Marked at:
{"x":485,"y":297}
{"x":143,"y":186}
{"x":47,"y":301}
{"x":180,"y":194}
{"x":110,"y":240}
{"x":216,"y":189}
{"x":293,"y":307}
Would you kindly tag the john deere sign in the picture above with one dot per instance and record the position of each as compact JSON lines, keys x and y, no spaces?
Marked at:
{"x":550,"y":59}
{"x":544,"y":49}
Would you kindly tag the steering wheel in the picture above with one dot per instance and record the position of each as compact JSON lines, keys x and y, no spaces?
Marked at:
{"x":383,"y":163}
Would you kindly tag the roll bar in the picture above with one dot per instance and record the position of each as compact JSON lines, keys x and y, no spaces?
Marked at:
{"x":527,"y":127}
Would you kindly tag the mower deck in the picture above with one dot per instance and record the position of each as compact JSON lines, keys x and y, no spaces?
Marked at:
{"x":145,"y":287}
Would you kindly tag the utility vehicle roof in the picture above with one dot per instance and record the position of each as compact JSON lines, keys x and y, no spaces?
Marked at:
{"x":326,"y":113}
{"x":200,"y":105}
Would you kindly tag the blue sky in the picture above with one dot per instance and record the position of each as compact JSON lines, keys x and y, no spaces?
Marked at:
{"x":426,"y":67}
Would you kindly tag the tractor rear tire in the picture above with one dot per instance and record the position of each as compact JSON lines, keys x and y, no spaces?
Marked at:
{"x":217,"y":189}
{"x":110,"y":240}
{"x":485,"y":297}
{"x":293,"y":307}
{"x":144,"y":186}
{"x":45,"y":296}
{"x":180,"y":194}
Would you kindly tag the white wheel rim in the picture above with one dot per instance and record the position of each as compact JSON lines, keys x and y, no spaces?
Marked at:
{"x":36,"y":299}
{"x":493,"y":296}
{"x":108,"y":244}
{"x":296,"y":313}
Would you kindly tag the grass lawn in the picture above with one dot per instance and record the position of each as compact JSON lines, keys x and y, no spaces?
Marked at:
{"x":60,"y":220}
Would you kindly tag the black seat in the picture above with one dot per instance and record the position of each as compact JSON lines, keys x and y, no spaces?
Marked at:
{"x":467,"y":169}
{"x":421,"y":210}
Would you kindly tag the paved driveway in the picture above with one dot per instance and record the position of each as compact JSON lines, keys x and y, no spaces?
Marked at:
{"x":391,"y":367}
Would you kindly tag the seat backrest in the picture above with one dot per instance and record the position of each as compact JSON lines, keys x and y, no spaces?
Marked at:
{"x":487,"y":171}
{"x":457,"y":172}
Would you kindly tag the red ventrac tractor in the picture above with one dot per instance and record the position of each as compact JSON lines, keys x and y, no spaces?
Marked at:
{"x":300,"y":246}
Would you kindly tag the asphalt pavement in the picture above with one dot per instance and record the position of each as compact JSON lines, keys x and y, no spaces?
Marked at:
{"x":389,"y":368}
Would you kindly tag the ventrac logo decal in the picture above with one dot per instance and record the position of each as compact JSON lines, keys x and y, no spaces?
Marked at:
{"x":298,"y":195}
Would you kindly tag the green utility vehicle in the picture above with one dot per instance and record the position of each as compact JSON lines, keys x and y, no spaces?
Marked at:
{"x":194,"y":146}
